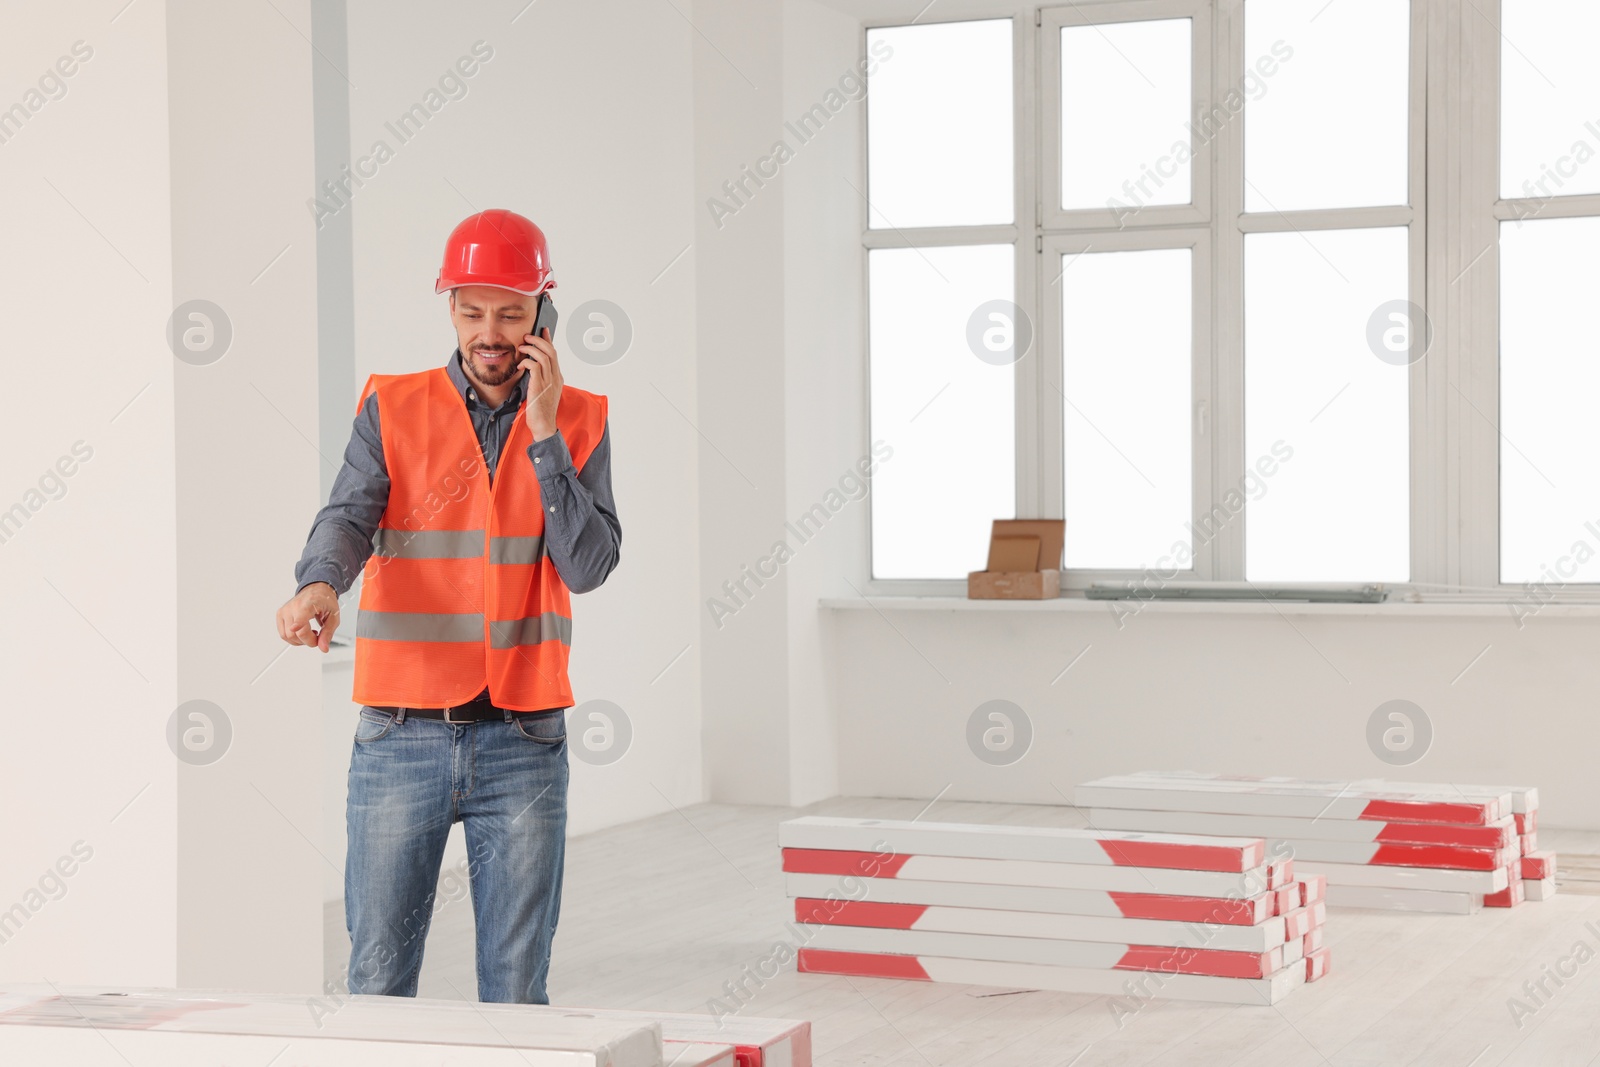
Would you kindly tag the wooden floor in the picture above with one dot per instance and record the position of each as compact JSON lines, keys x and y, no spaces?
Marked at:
{"x":664,"y":913}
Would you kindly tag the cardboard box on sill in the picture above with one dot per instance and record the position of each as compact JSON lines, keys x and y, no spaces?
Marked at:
{"x":1024,"y":561}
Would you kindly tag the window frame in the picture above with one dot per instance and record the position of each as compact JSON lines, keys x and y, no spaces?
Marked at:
{"x":1016,"y":233}
{"x":1052,"y":457}
{"x":1049,"y":24}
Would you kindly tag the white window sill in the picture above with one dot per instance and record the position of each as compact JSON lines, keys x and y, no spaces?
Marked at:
{"x":1081,"y":605}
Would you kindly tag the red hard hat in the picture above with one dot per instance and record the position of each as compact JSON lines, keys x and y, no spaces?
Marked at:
{"x":500,"y":248}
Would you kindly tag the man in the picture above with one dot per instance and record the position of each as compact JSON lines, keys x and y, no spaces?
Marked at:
{"x":474,"y":499}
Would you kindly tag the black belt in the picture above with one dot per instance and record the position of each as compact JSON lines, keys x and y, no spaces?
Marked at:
{"x":479,"y":709}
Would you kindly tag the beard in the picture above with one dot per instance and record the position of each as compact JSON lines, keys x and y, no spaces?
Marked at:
{"x":492,"y":375}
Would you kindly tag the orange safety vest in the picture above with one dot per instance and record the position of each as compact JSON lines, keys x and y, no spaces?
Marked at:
{"x":459,"y":592}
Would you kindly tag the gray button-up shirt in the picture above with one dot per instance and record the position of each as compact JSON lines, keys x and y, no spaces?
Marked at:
{"x":581,"y":533}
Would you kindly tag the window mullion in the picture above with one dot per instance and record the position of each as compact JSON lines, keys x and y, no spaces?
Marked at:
{"x":1474,"y":390}
{"x":1222,"y":443}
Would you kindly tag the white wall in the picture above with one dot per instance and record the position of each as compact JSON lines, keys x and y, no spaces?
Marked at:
{"x":91,"y":664}
{"x":1223,"y":690}
{"x":247,"y":475}
{"x":824,"y":398}
{"x":739,"y":260}
{"x":163,"y":173}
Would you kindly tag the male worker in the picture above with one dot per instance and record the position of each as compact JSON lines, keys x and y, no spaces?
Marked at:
{"x":468,"y":561}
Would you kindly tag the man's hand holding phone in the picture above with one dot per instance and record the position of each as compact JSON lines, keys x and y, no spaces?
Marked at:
{"x":544,"y":383}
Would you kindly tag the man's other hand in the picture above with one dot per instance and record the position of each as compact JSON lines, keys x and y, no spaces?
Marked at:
{"x":316,"y":601}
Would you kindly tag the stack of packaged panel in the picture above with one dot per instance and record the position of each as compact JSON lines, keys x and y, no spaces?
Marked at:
{"x":1403,"y":845}
{"x":1080,"y":911}
{"x":1535,"y":869}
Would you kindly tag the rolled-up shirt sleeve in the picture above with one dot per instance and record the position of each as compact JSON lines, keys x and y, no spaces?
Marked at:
{"x":582,"y":534}
{"x":341,"y":534}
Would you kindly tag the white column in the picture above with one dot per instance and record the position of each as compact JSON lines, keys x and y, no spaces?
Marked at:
{"x":739,"y":284}
{"x":249,"y":874}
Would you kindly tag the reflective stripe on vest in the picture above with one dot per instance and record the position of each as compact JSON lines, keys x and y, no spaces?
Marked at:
{"x":455,"y":544}
{"x":418,"y":626}
{"x":428,"y":544}
{"x":432,"y":626}
{"x":533,"y":630}
{"x":514,"y":550}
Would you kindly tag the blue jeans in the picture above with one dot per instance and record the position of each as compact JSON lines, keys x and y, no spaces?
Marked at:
{"x":410,"y":779}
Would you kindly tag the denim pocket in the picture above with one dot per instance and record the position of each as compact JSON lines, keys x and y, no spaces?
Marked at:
{"x":373,"y":725}
{"x":547,"y":729}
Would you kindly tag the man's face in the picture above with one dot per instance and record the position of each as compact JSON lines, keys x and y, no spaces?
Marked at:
{"x":490,"y":324}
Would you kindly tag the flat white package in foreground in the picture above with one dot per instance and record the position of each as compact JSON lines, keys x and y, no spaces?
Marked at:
{"x":177,"y":1029}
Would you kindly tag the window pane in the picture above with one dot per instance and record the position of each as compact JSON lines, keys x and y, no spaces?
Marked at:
{"x":1550,"y":98}
{"x":1549,"y":381}
{"x":1326,"y":422}
{"x":1125,"y":100}
{"x":947,"y":414}
{"x":1327,"y":126}
{"x":939,"y":123}
{"x":1126,"y":327}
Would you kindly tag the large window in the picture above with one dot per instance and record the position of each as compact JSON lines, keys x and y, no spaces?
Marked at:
{"x":1246,"y":290}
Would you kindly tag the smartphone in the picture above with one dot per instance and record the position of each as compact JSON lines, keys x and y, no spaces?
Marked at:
{"x":546,"y":317}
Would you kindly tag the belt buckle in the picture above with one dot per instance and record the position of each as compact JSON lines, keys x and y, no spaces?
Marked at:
{"x":448,"y":719}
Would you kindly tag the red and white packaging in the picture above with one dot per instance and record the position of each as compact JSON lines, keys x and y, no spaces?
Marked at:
{"x":1139,"y":985}
{"x":1527,"y":822}
{"x":695,"y":1054}
{"x":1244,"y":911}
{"x":1323,"y":851}
{"x":1280,"y":872}
{"x":1510,"y":896}
{"x":891,"y":837}
{"x":1536,"y":866}
{"x":1524,"y":798}
{"x":1286,"y":899}
{"x":1388,"y":898}
{"x":1302,"y":921}
{"x":756,"y":1041}
{"x":1452,"y":881}
{"x":1296,"y":798}
{"x":1047,"y":952}
{"x":1530,"y":843}
{"x":1313,"y":939}
{"x":1316,"y":964}
{"x":1313,"y":888}
{"x":1501,"y":833}
{"x":1266,"y":935}
{"x":1045,"y":875}
{"x":1539,"y":888}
